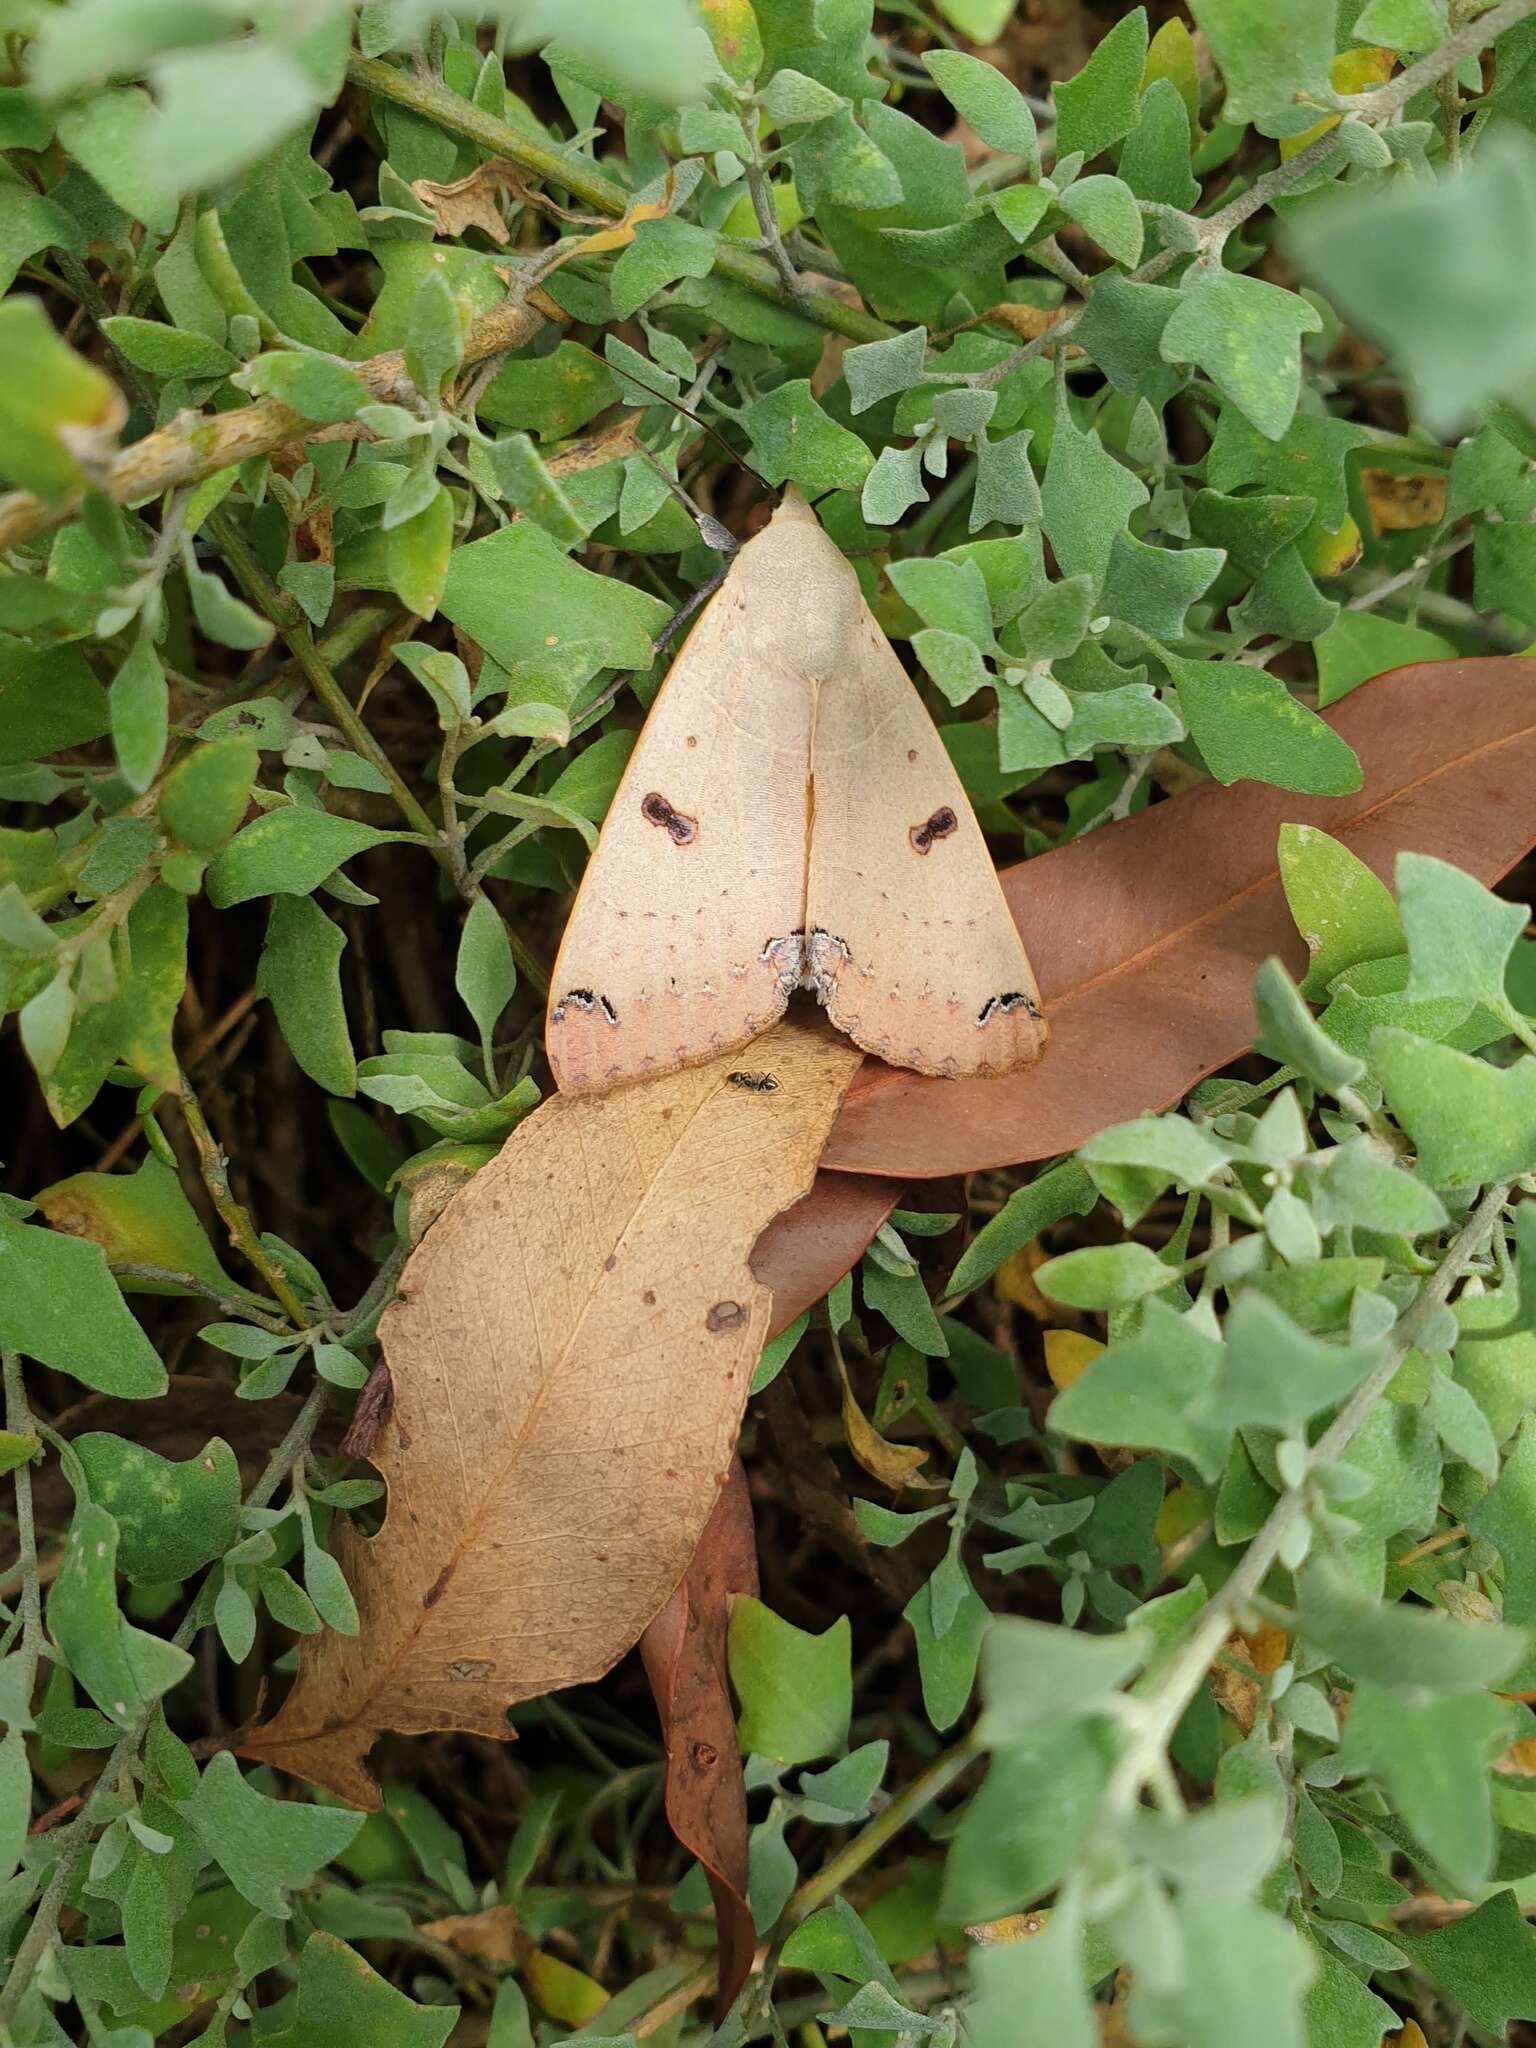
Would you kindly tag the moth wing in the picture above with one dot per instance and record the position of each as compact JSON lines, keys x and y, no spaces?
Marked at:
{"x":915,"y":952}
{"x":669,"y":953}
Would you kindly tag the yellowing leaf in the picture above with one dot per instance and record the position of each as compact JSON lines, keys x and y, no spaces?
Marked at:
{"x":570,"y":1354}
{"x":1011,"y":1928}
{"x":566,"y":1994}
{"x":1014,"y":1281}
{"x":1352,"y":71}
{"x":894,"y":1465}
{"x":1068,"y":1355}
{"x":1401,"y":504}
{"x":619,"y":236}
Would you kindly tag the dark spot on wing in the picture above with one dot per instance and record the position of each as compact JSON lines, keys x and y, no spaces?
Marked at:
{"x":999,"y":1006}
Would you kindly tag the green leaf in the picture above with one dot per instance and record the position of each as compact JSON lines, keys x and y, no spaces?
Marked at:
{"x":550,"y":396}
{"x":49,"y":700}
{"x":1033,"y":1672}
{"x":1359,"y":646}
{"x":1506,"y":1517}
{"x":300,"y":973}
{"x":342,"y":2003}
{"x":1411,"y":262}
{"x":1155,"y":159}
{"x":123,"y":1669}
{"x":1485,"y":1964}
{"x":796,"y":1690}
{"x":1104,"y":1276}
{"x":794,"y":441}
{"x":15,"y":1800}
{"x":989,"y":103}
{"x":517,"y":595}
{"x":1432,"y":1760}
{"x":1106,"y":211}
{"x":836,"y":160}
{"x":1359,"y":1189}
{"x":1153,"y":588}
{"x":1344,"y":912}
{"x":166,"y":351}
{"x":1088,"y":496}
{"x":880,"y":369}
{"x":172,"y":1518}
{"x":1470,"y":1123}
{"x":1103,"y":101}
{"x":1247,"y":1986}
{"x":309,"y":385}
{"x":418,"y":551}
{"x":46,"y":391}
{"x":266,"y":1847}
{"x":1246,"y":336}
{"x":946,"y":1662}
{"x":1414,"y":1653}
{"x":1027,"y":1824}
{"x":527,"y":482}
{"x":1460,"y":935}
{"x":207,"y":793}
{"x":287,"y":852}
{"x":484,"y":973}
{"x":222,"y":617}
{"x":1150,"y":1391}
{"x":1249,"y":727}
{"x":60,"y":1306}
{"x":1043,"y":1977}
{"x":1062,"y":1191}
{"x":1269,"y":57}
{"x":1290,"y":1034}
{"x":661,"y":252}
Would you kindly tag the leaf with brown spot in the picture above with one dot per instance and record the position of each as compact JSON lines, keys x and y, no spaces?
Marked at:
{"x":684,"y":1653}
{"x":558,"y":1438}
{"x":1146,"y":935}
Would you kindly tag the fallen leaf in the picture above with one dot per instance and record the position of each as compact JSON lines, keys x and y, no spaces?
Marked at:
{"x":492,"y":1934}
{"x":1068,"y":1355}
{"x":570,"y":1353}
{"x":685,"y":1661}
{"x":1013,"y":1927}
{"x":1400,"y":503}
{"x":813,"y":1244}
{"x":1146,"y":935}
{"x":1234,"y":1682}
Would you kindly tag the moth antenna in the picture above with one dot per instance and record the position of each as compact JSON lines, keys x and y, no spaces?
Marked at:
{"x":677,"y":405}
{"x":711,"y":531}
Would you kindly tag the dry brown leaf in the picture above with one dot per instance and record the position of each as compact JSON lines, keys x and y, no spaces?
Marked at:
{"x":570,"y":1354}
{"x":684,"y":1650}
{"x":1013,"y":1927}
{"x":1027,"y":322}
{"x":812,"y":1245}
{"x":1146,"y":935}
{"x":471,"y":202}
{"x":491,"y":1935}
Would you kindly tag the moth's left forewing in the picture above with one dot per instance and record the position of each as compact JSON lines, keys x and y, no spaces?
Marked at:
{"x":920,"y":960}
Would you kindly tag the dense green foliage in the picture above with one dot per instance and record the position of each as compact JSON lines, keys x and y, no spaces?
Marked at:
{"x":1109,"y":405}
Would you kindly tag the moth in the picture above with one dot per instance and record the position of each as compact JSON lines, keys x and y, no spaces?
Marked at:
{"x":789,"y":820}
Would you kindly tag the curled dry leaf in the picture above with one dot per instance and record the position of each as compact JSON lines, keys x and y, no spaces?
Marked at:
{"x":685,"y":1660}
{"x":570,"y":1354}
{"x":1146,"y":935}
